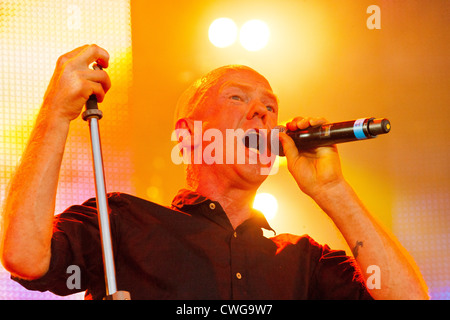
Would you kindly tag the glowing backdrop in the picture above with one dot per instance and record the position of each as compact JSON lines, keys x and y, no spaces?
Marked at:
{"x":33,"y":34}
{"x":321,"y":59}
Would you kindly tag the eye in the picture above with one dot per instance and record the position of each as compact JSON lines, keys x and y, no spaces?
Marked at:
{"x":270,"y":108}
{"x":236,"y":97}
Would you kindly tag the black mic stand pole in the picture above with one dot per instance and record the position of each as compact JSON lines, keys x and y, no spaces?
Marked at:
{"x":92,"y":115}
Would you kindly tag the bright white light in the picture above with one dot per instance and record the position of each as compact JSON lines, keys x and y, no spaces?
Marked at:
{"x":222,"y":32}
{"x":267,"y":204}
{"x":254,"y":35}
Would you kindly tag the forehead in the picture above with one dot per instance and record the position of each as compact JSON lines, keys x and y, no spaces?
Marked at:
{"x":244,"y":78}
{"x":197,"y":99}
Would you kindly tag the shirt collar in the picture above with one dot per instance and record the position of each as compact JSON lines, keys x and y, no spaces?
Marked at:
{"x":186,"y":197}
{"x":185,"y":200}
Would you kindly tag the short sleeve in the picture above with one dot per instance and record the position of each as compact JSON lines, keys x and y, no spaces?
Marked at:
{"x":338,"y":277}
{"x":75,"y":242}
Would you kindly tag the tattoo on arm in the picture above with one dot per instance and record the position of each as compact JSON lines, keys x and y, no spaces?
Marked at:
{"x":356,"y":248}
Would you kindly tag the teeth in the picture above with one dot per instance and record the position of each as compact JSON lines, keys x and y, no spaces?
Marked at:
{"x":254,"y":150}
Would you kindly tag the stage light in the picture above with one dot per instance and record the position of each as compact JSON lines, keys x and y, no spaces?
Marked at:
{"x":254,"y":35}
{"x":223,"y":32}
{"x":267,"y":204}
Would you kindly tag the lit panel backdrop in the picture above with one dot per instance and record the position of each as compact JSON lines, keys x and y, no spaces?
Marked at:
{"x":33,"y":34}
{"x":321,"y":60}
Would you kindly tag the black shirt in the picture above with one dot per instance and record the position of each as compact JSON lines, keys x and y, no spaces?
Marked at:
{"x":191,"y":251}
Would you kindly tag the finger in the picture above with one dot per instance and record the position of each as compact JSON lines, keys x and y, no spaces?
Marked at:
{"x":303,"y":123}
{"x":100,"y":55}
{"x":97,"y":90}
{"x":76,"y":51}
{"x":93,"y":53}
{"x":289,"y":148}
{"x":99,"y":76}
{"x":71,"y":54}
{"x":292,"y":125}
{"x":298,"y":123}
{"x":317,"y":121}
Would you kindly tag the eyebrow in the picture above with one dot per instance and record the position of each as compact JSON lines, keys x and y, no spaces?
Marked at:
{"x":243,"y":86}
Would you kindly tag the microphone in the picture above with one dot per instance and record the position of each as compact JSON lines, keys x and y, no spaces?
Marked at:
{"x":332,"y":133}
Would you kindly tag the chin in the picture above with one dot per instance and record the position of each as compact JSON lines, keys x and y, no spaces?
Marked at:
{"x":251,"y":174}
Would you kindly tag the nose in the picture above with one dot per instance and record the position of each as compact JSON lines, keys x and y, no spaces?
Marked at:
{"x":257,"y":109}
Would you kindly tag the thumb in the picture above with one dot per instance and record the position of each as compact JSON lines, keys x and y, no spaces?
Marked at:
{"x":289,"y":148}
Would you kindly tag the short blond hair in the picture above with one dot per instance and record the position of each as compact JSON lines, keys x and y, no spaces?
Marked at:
{"x":195,"y":95}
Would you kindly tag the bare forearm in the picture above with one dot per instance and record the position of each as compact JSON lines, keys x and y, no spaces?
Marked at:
{"x":29,"y":207}
{"x":318,"y":174}
{"x":374,"y":248}
{"x":30,"y":203}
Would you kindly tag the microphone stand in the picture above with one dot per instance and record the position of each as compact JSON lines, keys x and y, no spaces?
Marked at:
{"x":93,"y":115}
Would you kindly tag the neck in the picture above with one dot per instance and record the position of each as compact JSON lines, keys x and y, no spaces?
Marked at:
{"x":235,"y":199}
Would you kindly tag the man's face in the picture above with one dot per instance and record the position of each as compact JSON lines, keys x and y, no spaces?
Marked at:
{"x":240,"y":101}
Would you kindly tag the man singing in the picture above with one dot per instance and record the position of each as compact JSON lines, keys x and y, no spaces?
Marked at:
{"x":208,"y":244}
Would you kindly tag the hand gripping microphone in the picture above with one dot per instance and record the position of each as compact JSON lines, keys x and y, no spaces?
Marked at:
{"x":332,"y":133}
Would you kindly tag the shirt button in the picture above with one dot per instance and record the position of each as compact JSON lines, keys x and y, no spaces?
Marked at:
{"x":212,"y":206}
{"x":238,"y":275}
{"x":235,"y":234}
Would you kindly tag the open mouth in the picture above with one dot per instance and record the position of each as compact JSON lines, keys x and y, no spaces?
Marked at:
{"x":261,"y":142}
{"x":255,"y":141}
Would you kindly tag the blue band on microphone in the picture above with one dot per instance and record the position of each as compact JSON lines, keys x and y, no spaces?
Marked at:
{"x":358,"y":129}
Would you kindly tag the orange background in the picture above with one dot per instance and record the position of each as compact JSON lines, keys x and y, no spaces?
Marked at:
{"x":321,"y":60}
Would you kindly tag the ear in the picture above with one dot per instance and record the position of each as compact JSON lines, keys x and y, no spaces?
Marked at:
{"x":184,"y":130}
{"x":184,"y":123}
